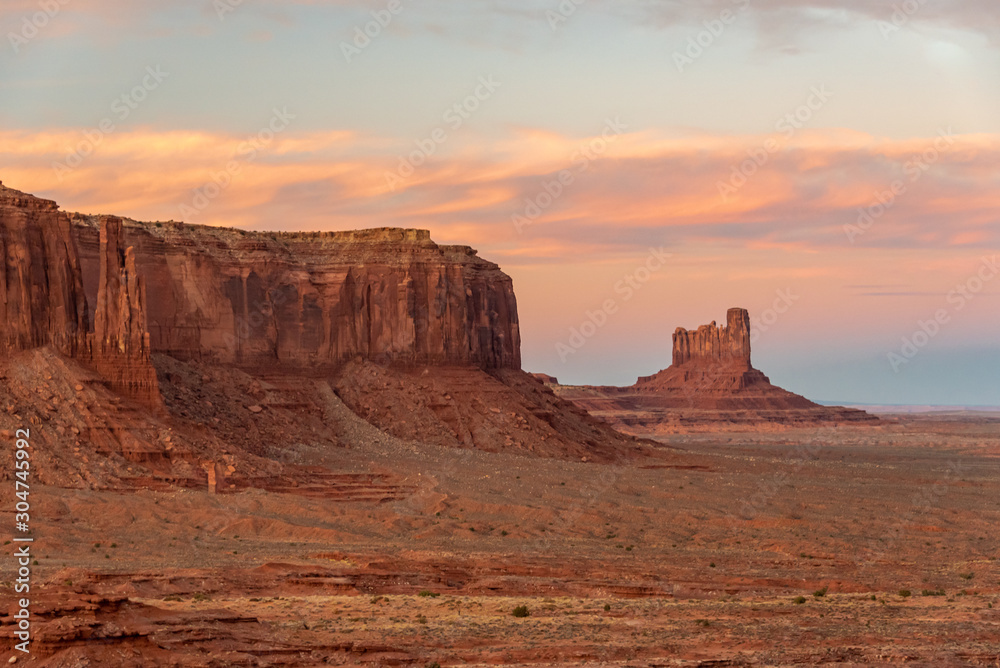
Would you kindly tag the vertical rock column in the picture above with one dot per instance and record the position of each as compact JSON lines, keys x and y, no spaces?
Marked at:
{"x":120,"y":347}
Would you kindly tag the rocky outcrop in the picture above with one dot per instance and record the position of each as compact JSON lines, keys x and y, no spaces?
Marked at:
{"x":312,"y":301}
{"x":44,"y":301}
{"x":419,"y":339}
{"x":711,"y":384}
{"x":710,"y":344}
{"x":120,"y":349}
{"x":711,"y":366}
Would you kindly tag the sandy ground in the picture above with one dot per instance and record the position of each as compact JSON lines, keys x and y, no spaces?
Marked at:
{"x":848,"y":546}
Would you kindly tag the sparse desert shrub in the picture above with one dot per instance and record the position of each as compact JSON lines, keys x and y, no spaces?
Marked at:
{"x":819,"y":593}
{"x":607,"y":607}
{"x":425,"y":593}
{"x":702,"y":622}
{"x":932,"y":592}
{"x":521,"y":611}
{"x":421,"y":619}
{"x":967,"y":576}
{"x":799,"y":600}
{"x":712,"y":565}
{"x":904,"y":592}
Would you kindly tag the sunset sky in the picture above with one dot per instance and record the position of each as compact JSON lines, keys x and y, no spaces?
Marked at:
{"x":672,"y":158}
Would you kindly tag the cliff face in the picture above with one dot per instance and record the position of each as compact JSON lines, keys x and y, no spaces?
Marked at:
{"x":709,"y":344}
{"x":313,"y":301}
{"x":44,"y":301}
{"x":40,"y":279}
{"x":120,"y":347}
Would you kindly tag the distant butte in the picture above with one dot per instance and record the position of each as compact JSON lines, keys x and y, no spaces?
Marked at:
{"x":711,"y":382}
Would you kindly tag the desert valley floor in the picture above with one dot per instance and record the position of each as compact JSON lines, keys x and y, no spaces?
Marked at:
{"x":849,"y":545}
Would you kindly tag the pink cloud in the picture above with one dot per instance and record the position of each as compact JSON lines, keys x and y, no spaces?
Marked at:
{"x":806,"y":196}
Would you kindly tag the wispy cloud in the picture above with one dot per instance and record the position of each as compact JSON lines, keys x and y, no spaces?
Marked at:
{"x":644,"y":188}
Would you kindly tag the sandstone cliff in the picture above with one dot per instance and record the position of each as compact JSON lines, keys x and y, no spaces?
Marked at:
{"x":243,"y":343}
{"x":312,"y":301}
{"x":710,"y":344}
{"x":44,"y":301}
{"x":120,"y":349}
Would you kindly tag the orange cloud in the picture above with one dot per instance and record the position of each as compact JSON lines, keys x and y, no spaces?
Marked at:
{"x":589,"y":195}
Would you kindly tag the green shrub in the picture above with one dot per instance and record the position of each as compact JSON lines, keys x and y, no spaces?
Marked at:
{"x":799,"y":600}
{"x":521,"y":611}
{"x":425,"y":593}
{"x":819,"y":593}
{"x":904,"y":592}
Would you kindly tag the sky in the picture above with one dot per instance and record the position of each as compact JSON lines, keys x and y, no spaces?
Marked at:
{"x":834,"y":167}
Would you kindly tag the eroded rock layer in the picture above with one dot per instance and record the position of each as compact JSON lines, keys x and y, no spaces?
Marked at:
{"x":306,"y":333}
{"x":120,"y":349}
{"x":43,"y":298}
{"x":312,"y":301}
{"x":710,"y":344}
{"x":44,"y":301}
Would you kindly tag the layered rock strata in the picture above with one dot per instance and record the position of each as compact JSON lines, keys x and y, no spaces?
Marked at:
{"x":120,"y":350}
{"x":309,"y":302}
{"x":44,"y":301}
